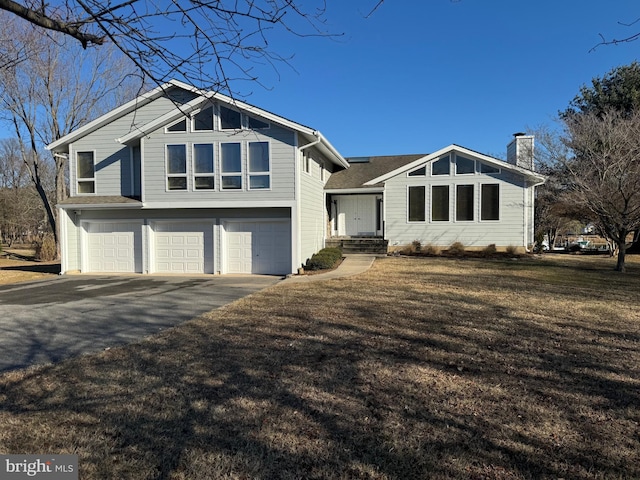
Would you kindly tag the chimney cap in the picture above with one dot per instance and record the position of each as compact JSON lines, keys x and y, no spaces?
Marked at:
{"x":519,"y":134}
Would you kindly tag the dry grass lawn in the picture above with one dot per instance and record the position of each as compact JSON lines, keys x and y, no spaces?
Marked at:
{"x":420,"y":368}
{"x":13,"y":271}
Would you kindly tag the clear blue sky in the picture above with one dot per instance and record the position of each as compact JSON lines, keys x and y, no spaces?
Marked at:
{"x":419,"y":75}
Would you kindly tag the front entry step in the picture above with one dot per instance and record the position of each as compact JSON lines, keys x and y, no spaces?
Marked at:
{"x":376,"y":245}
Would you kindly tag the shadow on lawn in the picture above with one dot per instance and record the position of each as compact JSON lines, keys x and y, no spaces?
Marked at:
{"x":35,"y":267}
{"x":412,"y":382}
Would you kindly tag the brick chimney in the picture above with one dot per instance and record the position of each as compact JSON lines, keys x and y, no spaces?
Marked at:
{"x":520,"y":151}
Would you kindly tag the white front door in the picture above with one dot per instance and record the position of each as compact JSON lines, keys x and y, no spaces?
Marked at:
{"x":357,"y":215}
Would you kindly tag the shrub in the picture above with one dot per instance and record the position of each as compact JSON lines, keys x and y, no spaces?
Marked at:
{"x":456,"y":249}
{"x":512,"y":250}
{"x":489,"y":250}
{"x":416,"y":246}
{"x":325,"y":259}
{"x":430,"y":249}
{"x":46,"y":250}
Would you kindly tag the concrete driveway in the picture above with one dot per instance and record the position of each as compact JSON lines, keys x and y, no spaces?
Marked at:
{"x":47,"y":321}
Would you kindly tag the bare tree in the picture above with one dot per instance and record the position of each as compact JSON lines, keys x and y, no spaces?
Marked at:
{"x":55,"y":89}
{"x":604,"y":172}
{"x":209,"y":43}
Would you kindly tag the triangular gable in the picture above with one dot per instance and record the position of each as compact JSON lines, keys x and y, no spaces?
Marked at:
{"x":464,"y":151}
{"x":182,"y":110}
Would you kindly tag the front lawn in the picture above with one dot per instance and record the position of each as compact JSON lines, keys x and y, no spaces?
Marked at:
{"x":420,"y":368}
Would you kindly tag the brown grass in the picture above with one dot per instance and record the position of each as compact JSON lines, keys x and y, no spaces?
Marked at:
{"x":14,"y":271}
{"x":420,"y":368}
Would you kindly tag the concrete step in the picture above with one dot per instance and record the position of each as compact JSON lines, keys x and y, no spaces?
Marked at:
{"x":376,"y":245}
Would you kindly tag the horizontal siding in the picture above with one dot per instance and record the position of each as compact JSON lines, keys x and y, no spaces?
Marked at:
{"x":509,"y":230}
{"x":113,"y":160}
{"x":313,"y":214}
{"x":282,"y":153}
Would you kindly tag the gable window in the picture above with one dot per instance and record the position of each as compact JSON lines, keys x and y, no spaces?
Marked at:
{"x":416,"y":204}
{"x":441,"y":166}
{"x":485,"y":168}
{"x":464,"y":203}
{"x":230,"y":119}
{"x":203,"y":120}
{"x":259,"y":169}
{"x":176,"y":167}
{"x":440,"y":203}
{"x":203,"y":172}
{"x":419,"y":172}
{"x":85,"y":170}
{"x":231,"y":166}
{"x":255,"y":124}
{"x":490,"y":202}
{"x":465,"y":166}
{"x":180,"y":126}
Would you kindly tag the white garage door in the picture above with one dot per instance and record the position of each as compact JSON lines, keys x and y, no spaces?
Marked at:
{"x":114,"y":247}
{"x":182,"y":247}
{"x":258,"y":247}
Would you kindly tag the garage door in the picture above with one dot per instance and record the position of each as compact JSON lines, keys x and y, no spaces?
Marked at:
{"x":182,"y":247}
{"x":258,"y":247}
{"x":114,"y":247}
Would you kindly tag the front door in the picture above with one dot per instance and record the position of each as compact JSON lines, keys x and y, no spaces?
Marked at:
{"x":356,"y":215}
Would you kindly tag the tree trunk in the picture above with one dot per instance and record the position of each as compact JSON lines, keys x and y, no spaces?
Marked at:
{"x":622,"y":251}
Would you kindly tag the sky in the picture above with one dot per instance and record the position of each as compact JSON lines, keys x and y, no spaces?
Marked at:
{"x":419,"y":75}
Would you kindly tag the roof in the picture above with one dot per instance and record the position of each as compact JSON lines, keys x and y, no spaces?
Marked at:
{"x":464,"y":151}
{"x":203,"y":96}
{"x":361,"y":172}
{"x":91,"y":201}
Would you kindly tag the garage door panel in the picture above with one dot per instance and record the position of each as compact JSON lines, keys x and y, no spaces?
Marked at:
{"x":114,"y":247}
{"x":181,"y":247}
{"x":261,"y":247}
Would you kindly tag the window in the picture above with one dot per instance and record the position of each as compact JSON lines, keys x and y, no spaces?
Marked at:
{"x":176,"y":167}
{"x":440,"y":203}
{"x":85,"y":169}
{"x":231,"y":166}
{"x":230,"y":119}
{"x":465,"y":166}
{"x":306,"y":163}
{"x":259,"y":176}
{"x":484,"y":168}
{"x":203,"y":120}
{"x":255,"y":124}
{"x":490,"y":202}
{"x":180,"y":126}
{"x":441,"y":166}
{"x":464,"y":203}
{"x":419,"y":172}
{"x":203,"y":166}
{"x":416,"y":204}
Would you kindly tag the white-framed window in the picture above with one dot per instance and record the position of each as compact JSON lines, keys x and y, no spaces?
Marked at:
{"x":86,"y":172}
{"x":440,"y":203}
{"x":486,"y":168}
{"x":256,"y":124}
{"x":416,"y":210}
{"x":230,"y":119}
{"x":231,"y":166}
{"x":465,"y":203}
{"x":176,"y":164}
{"x":203,"y":120}
{"x":306,"y":163}
{"x":442,"y":166}
{"x":418,"y":172}
{"x":179,"y":126}
{"x":465,"y":166}
{"x":203,"y":166}
{"x":490,"y":202}
{"x":259,"y":165}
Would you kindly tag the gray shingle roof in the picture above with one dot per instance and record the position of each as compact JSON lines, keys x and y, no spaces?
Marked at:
{"x":359,"y":173}
{"x":100,"y":200}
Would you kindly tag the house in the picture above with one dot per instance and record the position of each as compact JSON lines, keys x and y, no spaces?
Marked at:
{"x":181,"y":180}
{"x":452,"y":195}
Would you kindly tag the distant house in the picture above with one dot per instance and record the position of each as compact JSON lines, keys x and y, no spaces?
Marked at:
{"x":187,"y":181}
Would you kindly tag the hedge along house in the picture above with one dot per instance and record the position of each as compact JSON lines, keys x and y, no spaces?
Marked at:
{"x":452,"y":195}
{"x":187,"y":181}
